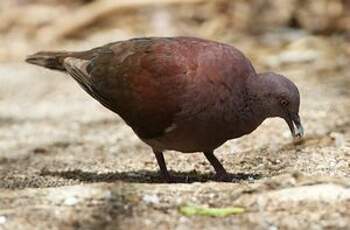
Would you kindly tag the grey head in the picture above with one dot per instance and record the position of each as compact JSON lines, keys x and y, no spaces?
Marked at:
{"x":278,"y":96}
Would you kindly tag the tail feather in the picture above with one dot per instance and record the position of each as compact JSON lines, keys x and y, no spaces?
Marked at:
{"x":50,"y":60}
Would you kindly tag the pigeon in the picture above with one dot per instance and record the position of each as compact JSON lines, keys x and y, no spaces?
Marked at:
{"x":184,"y":94}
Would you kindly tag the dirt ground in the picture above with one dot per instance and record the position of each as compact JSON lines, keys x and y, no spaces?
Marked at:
{"x":66,"y":162}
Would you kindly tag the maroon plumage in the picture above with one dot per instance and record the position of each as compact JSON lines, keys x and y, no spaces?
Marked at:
{"x":184,"y":94}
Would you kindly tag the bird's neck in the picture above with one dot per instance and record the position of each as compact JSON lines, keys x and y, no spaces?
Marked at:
{"x":256,"y":89}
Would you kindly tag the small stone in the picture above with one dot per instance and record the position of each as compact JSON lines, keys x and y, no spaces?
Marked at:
{"x":338,"y":138}
{"x":3,"y":219}
{"x":71,"y":201}
{"x":183,"y":219}
{"x":151,"y":199}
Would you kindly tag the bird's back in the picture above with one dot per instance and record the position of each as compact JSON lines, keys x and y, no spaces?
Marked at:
{"x":157,"y":85}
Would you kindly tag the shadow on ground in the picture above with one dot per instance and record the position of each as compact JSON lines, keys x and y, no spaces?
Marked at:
{"x":143,"y":176}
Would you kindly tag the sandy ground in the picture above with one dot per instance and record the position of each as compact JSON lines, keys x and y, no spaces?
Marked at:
{"x":66,"y":162}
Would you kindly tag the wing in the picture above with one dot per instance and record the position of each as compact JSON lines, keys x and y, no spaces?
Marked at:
{"x":133,"y":80}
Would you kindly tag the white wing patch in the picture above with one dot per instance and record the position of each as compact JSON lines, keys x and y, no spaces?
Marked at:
{"x":170,"y":128}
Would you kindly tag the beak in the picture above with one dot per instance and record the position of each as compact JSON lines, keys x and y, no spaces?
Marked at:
{"x":295,"y":125}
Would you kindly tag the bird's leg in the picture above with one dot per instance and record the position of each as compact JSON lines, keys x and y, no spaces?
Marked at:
{"x":162,"y":166}
{"x":221,"y":173}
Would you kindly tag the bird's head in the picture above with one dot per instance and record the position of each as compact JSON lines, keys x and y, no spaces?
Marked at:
{"x":280,"y":98}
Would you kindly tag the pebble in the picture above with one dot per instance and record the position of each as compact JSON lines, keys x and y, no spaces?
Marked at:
{"x":151,"y":199}
{"x":3,"y":219}
{"x":338,"y":138}
{"x":71,"y":201}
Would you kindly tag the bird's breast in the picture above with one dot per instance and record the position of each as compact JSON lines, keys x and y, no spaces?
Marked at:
{"x":188,"y":137}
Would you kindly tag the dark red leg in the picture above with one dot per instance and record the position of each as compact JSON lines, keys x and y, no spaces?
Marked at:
{"x":162,"y":166}
{"x":221,"y":173}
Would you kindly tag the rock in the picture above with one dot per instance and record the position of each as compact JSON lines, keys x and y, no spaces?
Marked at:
{"x":151,"y":199}
{"x":3,"y":220}
{"x":338,"y":139}
{"x":70,"y":201}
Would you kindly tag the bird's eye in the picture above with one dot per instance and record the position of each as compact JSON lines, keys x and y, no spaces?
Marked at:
{"x":284,"y":102}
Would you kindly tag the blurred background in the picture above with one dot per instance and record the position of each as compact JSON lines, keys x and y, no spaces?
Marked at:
{"x":29,"y":25}
{"x":67,"y":162}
